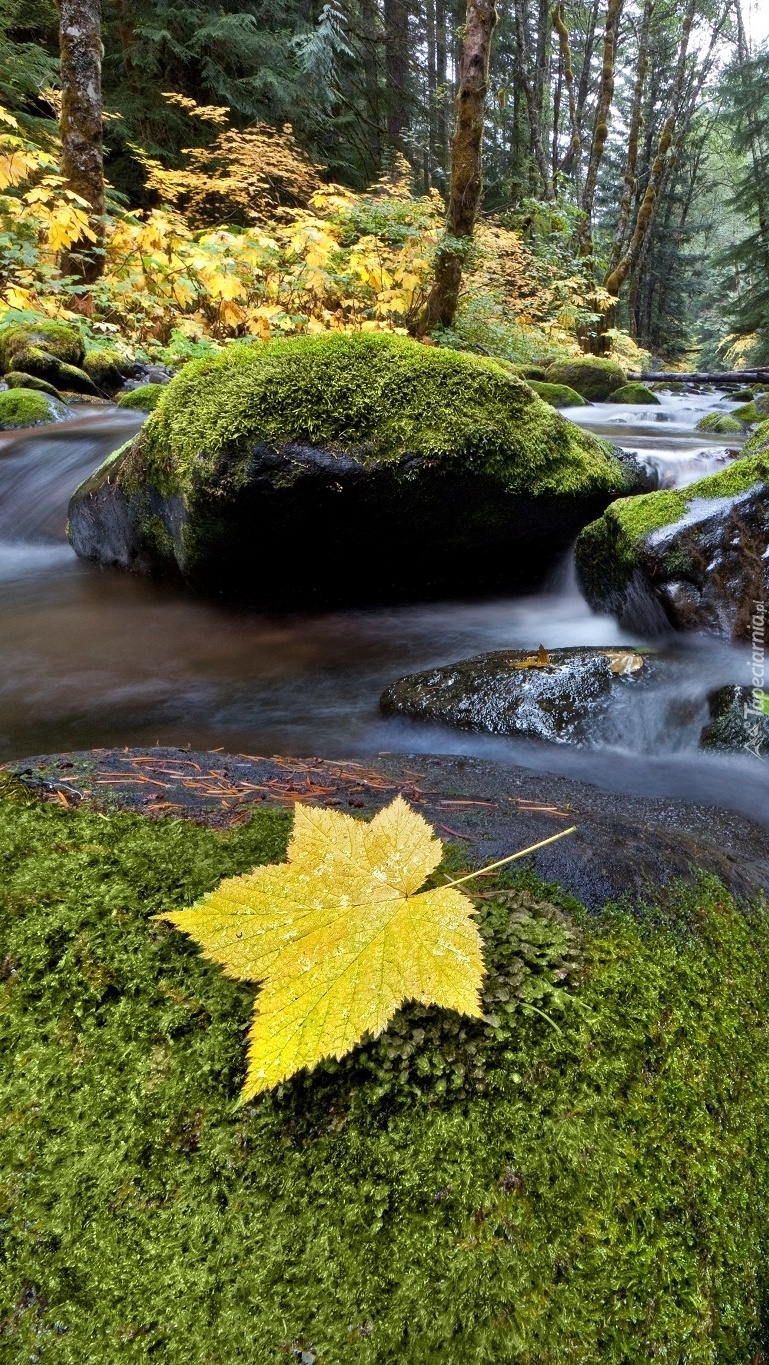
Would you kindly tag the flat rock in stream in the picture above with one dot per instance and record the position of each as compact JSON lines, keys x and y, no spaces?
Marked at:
{"x":556,"y":695}
{"x":623,"y":846}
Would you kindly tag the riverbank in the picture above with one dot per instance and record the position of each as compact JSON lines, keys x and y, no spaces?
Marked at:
{"x":623,"y":845}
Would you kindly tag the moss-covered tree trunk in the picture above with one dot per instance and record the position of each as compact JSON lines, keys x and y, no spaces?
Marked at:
{"x":466,"y":177}
{"x":81,"y":126}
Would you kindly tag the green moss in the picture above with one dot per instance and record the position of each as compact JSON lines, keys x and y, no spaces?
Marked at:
{"x":748,"y":414}
{"x":382,"y":396}
{"x":743,"y":395}
{"x":557,"y":395}
{"x":103,"y":365}
{"x":719,"y":423}
{"x":633,"y":393}
{"x":16,"y":380}
{"x":591,"y":376}
{"x":604,"y":1198}
{"x":57,"y":339}
{"x":758,"y":442}
{"x":143,"y":399}
{"x":28,"y":408}
{"x":611,"y":545}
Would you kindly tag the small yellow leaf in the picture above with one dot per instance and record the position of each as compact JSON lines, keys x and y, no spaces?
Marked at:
{"x":339,"y":937}
{"x":539,"y":660}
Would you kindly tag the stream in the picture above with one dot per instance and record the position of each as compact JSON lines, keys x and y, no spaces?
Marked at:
{"x":93,"y":657}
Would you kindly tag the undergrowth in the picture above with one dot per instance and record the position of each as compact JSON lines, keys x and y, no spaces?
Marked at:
{"x":592,"y":1187}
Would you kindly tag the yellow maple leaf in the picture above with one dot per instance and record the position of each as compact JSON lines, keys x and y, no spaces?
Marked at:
{"x":340,"y":937}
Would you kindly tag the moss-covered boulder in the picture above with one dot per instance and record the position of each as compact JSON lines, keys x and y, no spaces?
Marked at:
{"x":748,"y":414}
{"x":104,"y":366}
{"x":743,"y":395}
{"x":557,"y":395}
{"x":346,"y":468}
{"x":455,"y":1191}
{"x":52,"y":351}
{"x":28,"y":408}
{"x":592,"y":376}
{"x":16,"y":380}
{"x":634,"y":393}
{"x":719,"y":424}
{"x":758,"y":442}
{"x":143,"y":399}
{"x":694,"y":558}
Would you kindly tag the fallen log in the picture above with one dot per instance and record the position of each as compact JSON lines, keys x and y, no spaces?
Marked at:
{"x":702,"y":377}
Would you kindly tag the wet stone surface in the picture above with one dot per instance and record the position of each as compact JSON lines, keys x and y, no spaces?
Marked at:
{"x":559,"y":697}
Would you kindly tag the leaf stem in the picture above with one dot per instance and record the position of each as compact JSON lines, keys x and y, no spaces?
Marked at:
{"x":511,"y":858}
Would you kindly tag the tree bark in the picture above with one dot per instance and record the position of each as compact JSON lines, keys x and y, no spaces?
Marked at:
{"x":81,"y":124}
{"x":601,"y":125}
{"x":466,"y":179}
{"x":532,"y":107}
{"x":616,"y":277}
{"x":573,"y":154}
{"x":634,"y":137}
{"x":396,"y":37}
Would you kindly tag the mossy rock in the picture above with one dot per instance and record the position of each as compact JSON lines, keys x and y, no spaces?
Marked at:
{"x":56,"y":339}
{"x":28,"y":408}
{"x":748,"y":414}
{"x":143,"y":399}
{"x":414,"y":470}
{"x":454,"y":1191}
{"x":743,"y":396}
{"x":16,"y":380}
{"x":59,"y":373}
{"x":529,"y":372}
{"x":633,"y":393}
{"x":104,"y":367}
{"x":557,"y":395}
{"x":592,"y":377}
{"x":719,"y":424}
{"x":692,"y":557}
{"x":758,"y":442}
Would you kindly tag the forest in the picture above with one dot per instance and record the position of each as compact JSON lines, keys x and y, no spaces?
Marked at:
{"x":271,"y":169}
{"x":384,"y":723}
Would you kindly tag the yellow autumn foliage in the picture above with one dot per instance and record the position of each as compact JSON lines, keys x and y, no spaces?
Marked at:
{"x":339,"y":936}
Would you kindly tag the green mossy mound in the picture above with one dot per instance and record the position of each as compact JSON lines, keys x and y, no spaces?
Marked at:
{"x":719,"y":423}
{"x":557,"y":395}
{"x":28,"y":408}
{"x":609,"y":549}
{"x":747,"y":414}
{"x":143,"y":399}
{"x":595,"y":1191}
{"x":56,"y":339}
{"x":593,"y":377}
{"x":381,"y":396}
{"x":743,"y":395}
{"x":51,"y":351}
{"x":416,"y":471}
{"x":758,"y":442}
{"x":633,"y":393}
{"x":103,"y":367}
{"x":16,"y":380}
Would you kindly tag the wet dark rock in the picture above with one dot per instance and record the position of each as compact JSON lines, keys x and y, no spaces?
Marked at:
{"x":559,"y":701}
{"x":739,"y":721}
{"x":704,"y":571}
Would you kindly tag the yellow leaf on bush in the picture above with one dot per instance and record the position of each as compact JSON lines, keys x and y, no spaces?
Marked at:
{"x":340,"y":937}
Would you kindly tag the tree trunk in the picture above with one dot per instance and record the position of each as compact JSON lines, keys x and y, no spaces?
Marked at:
{"x":466,"y":180}
{"x":532,"y":107}
{"x":82,"y":160}
{"x":616,"y":277}
{"x":601,"y":125}
{"x":634,"y":137}
{"x":573,"y":154}
{"x":396,"y":37}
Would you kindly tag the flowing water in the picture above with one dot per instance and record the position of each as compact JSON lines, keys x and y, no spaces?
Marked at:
{"x":97,"y":657}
